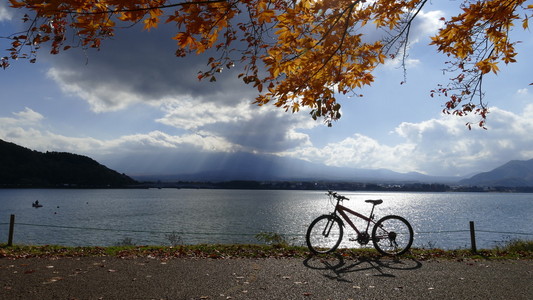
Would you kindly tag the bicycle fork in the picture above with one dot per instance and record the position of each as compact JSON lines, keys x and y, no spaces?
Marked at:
{"x":328,"y":227}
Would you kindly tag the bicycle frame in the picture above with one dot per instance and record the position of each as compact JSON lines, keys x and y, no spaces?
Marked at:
{"x":343,"y":210}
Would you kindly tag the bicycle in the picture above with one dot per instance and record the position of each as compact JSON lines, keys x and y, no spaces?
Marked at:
{"x":391,"y":235}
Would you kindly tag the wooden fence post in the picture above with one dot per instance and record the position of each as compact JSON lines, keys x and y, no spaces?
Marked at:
{"x":11,"y":229}
{"x":473,"y":237}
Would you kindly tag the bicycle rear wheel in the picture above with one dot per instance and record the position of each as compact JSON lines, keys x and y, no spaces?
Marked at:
{"x":324,"y":234}
{"x":392,"y":235}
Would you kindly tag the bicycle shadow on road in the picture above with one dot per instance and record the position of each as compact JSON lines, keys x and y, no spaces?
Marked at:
{"x":338,"y":266}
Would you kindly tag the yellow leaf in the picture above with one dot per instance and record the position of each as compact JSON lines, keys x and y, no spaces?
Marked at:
{"x":184,"y":40}
{"x":150,"y":23}
{"x":266,"y":16}
{"x":17,"y":4}
{"x":485,"y":66}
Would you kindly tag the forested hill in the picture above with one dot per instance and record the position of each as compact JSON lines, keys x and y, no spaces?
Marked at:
{"x":515,"y":173}
{"x":22,"y":167}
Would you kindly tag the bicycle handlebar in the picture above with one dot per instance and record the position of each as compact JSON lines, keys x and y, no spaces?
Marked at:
{"x":337,"y":196}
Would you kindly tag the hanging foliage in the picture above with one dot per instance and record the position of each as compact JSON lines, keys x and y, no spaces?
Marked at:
{"x":296,"y":53}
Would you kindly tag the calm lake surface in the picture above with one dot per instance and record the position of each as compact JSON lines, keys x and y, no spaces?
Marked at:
{"x":152,"y":216}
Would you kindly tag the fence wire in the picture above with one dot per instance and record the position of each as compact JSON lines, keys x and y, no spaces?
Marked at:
{"x":240,"y":234}
{"x":477,"y":230}
{"x":136,"y":231}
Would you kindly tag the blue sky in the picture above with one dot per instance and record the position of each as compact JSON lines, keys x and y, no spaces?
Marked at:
{"x":134,"y":98}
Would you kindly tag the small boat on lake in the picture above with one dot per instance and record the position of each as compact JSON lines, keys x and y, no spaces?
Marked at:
{"x":36,"y":204}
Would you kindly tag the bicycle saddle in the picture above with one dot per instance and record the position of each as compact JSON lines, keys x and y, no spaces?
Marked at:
{"x":375,"y":202}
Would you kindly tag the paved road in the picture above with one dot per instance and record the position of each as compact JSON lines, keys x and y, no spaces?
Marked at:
{"x":146,"y":278}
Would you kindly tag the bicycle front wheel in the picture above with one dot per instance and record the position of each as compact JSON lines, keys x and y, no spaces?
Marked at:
{"x":392,"y":235}
{"x":324,"y":234}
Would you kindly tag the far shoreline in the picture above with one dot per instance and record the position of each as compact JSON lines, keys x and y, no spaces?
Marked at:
{"x":287,"y":185}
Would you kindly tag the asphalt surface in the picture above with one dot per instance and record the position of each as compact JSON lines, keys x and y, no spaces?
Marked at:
{"x":312,"y":278}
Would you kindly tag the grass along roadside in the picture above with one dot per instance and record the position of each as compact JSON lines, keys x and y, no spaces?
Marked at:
{"x":511,"y":250}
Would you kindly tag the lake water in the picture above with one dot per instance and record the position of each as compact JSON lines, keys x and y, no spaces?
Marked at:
{"x":151,"y":216}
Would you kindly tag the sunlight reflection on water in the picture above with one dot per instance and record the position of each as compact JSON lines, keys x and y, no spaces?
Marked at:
{"x":235,"y":216}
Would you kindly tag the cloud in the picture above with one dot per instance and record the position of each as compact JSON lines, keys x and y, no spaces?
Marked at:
{"x":5,"y":14}
{"x":23,"y":118}
{"x":102,"y":96}
{"x":192,"y":115}
{"x":27,"y":129}
{"x":24,"y":126}
{"x":140,"y":67}
{"x":523,"y":92}
{"x":361,"y":152}
{"x":427,"y":24}
{"x":442,"y":146}
{"x":255,"y":129}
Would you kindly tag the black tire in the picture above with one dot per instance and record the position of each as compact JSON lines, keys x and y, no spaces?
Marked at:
{"x":324,"y":234}
{"x":392,"y":235}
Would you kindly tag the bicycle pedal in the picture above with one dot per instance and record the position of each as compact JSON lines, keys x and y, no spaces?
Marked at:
{"x":352,"y":239}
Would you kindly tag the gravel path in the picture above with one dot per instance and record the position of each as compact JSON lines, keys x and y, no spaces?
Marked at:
{"x":312,"y":278}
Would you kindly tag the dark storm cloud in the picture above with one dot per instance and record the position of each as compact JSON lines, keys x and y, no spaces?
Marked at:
{"x":269,"y":131}
{"x":143,"y":64}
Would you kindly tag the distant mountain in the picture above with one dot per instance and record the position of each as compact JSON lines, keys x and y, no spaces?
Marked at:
{"x":22,"y":167}
{"x":248,"y":166}
{"x":515,"y":173}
